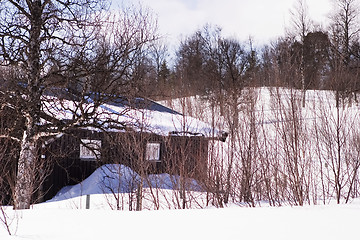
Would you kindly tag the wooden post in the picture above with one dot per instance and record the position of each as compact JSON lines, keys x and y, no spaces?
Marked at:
{"x":88,"y":201}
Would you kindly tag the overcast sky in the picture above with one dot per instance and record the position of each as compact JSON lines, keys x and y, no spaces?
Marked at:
{"x":264,"y":20}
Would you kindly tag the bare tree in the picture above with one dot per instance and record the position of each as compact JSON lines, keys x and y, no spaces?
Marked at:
{"x":291,"y":129}
{"x":52,"y":42}
{"x":337,"y":149}
{"x":344,"y":34}
{"x":346,"y":19}
{"x":246,"y":149}
{"x":8,"y":153}
{"x":301,"y":19}
{"x":302,"y":24}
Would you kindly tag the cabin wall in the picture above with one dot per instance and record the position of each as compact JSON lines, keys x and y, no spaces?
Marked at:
{"x":129,"y":148}
{"x":185,"y":156}
{"x":9,"y":152}
{"x":66,"y":167}
{"x":178,"y":154}
{"x":10,"y":125}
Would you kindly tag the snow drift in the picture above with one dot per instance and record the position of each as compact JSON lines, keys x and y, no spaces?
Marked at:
{"x":116,"y":178}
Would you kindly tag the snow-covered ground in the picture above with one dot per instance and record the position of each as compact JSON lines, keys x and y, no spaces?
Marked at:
{"x":66,"y":217}
{"x":311,"y":222}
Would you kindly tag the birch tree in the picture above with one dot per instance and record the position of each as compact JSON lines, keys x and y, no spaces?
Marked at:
{"x":302,"y":25}
{"x":63,"y":44}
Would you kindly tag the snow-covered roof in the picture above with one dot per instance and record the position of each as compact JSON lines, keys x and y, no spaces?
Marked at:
{"x":139,"y":114}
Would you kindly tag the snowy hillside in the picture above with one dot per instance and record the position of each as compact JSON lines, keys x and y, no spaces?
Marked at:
{"x":283,"y":149}
{"x":281,"y":155}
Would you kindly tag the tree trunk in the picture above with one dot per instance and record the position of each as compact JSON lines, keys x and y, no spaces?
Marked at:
{"x":28,"y":153}
{"x":25,"y":173}
{"x":139,"y":195}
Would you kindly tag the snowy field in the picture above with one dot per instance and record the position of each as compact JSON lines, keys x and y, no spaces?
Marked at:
{"x":66,"y":217}
{"x":311,"y":222}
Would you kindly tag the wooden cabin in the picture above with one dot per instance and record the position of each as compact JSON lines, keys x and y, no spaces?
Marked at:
{"x":75,"y":157}
{"x":159,"y":148}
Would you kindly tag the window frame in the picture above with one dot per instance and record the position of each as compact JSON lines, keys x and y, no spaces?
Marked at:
{"x":153,"y":152}
{"x":90,"y":149}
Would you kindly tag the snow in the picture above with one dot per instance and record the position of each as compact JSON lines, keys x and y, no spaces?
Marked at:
{"x":117,"y":177}
{"x":158,"y":119}
{"x":65,"y":217}
{"x":311,"y":222}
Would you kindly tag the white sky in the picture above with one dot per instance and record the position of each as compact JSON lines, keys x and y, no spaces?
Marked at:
{"x":263,"y":20}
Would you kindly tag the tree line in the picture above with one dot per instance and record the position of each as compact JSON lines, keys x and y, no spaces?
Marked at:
{"x":307,"y":57}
